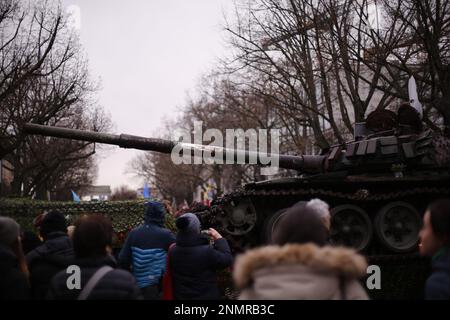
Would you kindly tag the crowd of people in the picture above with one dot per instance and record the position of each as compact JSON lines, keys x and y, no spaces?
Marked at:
{"x":156,"y":264}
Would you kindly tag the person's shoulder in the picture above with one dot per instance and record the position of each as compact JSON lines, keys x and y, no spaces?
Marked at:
{"x":35,"y":253}
{"x":135,"y":231}
{"x":207,"y":248}
{"x":30,"y":256}
{"x":121,"y":277}
{"x":59,"y":281}
{"x":440,"y":273}
{"x":164,"y":232}
{"x":439,"y":276}
{"x":438,"y":285}
{"x":62,"y":275}
{"x":120,"y":273}
{"x":167,"y":232}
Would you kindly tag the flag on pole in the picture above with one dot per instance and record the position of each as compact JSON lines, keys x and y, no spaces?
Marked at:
{"x":146,"y":192}
{"x":208,"y":194}
{"x":414,"y":97}
{"x":75,"y":197}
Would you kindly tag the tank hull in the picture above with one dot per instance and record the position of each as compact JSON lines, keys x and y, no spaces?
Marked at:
{"x":375,"y":196}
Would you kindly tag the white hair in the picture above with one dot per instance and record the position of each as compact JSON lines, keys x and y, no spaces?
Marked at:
{"x":320,"y":207}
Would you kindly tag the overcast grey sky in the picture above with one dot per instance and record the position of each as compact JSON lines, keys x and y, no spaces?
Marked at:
{"x":148,"y":54}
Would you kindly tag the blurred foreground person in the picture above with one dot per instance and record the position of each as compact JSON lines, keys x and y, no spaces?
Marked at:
{"x":13,"y":271}
{"x":316,"y":206}
{"x":54,"y":255}
{"x":92,"y":239}
{"x":319,"y":207}
{"x":435,"y":243}
{"x":299,"y":265}
{"x":194,"y":261}
{"x":145,"y":250}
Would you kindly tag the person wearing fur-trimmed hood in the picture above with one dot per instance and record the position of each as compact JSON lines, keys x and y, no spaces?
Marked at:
{"x":299,"y":264}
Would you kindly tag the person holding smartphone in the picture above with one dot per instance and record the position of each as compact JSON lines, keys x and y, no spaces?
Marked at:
{"x":195,"y":260}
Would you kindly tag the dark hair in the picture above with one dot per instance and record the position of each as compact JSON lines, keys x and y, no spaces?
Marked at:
{"x":440,"y":218}
{"x":91,"y":236}
{"x":300,"y":224}
{"x":53,"y":221}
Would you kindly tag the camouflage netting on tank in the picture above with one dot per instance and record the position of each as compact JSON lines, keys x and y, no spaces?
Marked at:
{"x":124,"y":215}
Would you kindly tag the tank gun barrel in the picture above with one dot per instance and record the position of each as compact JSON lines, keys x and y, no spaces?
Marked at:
{"x":121,"y":140}
{"x":306,"y":163}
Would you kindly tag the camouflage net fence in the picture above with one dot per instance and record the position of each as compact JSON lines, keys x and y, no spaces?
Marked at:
{"x":125,"y":215}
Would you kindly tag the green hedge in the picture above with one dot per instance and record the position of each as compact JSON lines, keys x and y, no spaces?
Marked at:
{"x":124,"y":215}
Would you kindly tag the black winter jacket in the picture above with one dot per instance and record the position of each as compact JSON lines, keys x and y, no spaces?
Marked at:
{"x":13,"y":283}
{"x":115,"y":285}
{"x":438,"y":284}
{"x":194,"y":263}
{"x":44,"y":262}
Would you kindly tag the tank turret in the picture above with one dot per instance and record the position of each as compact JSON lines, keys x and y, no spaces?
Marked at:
{"x":371,"y":151}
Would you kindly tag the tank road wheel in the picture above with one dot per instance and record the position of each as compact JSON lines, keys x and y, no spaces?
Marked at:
{"x":397,"y":225}
{"x":271,"y":223}
{"x":240,"y":217}
{"x":350,"y":226}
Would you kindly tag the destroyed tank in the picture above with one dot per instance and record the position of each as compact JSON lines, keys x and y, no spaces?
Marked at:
{"x":377,"y":185}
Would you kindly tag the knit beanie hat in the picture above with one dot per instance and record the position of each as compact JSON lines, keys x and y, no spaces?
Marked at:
{"x":188,"y":223}
{"x":154,"y":213}
{"x":9,"y":231}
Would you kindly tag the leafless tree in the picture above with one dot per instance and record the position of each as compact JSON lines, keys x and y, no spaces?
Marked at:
{"x":44,"y":79}
{"x":325,"y":63}
{"x":414,"y":39}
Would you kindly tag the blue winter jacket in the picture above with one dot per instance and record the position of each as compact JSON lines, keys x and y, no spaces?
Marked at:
{"x":438,"y":284}
{"x":145,"y":249}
